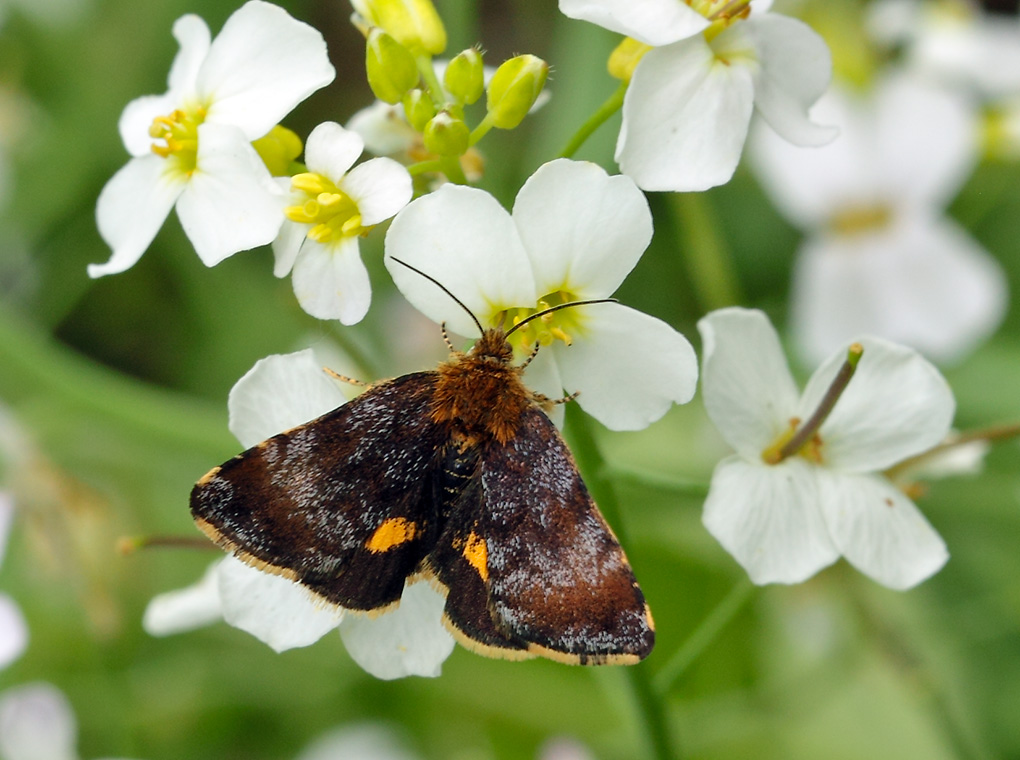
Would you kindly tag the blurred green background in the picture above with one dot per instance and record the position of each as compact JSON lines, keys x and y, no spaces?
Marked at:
{"x":120,"y":386}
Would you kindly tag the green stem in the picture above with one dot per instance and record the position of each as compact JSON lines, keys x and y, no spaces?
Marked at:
{"x":706,"y":633}
{"x":453,"y":170}
{"x":613,"y":104}
{"x":650,"y":708}
{"x":36,"y":366}
{"x":481,"y":130}
{"x":424,"y":167}
{"x":432,"y":85}
{"x":710,"y":263}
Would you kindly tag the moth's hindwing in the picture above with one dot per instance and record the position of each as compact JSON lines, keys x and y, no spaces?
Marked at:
{"x":556,"y":581}
{"x":337,"y":504}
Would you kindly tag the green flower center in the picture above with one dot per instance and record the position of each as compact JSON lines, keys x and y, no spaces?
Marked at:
{"x":857,"y":220}
{"x":331,"y":212}
{"x":179,"y":135}
{"x":562,"y":325}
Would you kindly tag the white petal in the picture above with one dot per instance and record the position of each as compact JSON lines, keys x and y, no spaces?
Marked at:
{"x":280,"y":392}
{"x":409,"y":641}
{"x":685,"y":118}
{"x":231,"y":203}
{"x":768,"y":518}
{"x":331,"y":282}
{"x":748,"y":391}
{"x":879,"y":530}
{"x":185,"y":609}
{"x":380,"y":187}
{"x":922,"y":281}
{"x":795,"y":70}
{"x":278,"y":612}
{"x":37,"y":723}
{"x":463,"y":238}
{"x":287,"y":245}
{"x":332,"y":150}
{"x":629,"y":367}
{"x":362,"y":742}
{"x":192,"y":34}
{"x":895,"y":406}
{"x":262,"y":64}
{"x":383,"y":128}
{"x":136,"y":119}
{"x":583,"y":230}
{"x":654,"y":22}
{"x":13,"y":631}
{"x":132,"y":207}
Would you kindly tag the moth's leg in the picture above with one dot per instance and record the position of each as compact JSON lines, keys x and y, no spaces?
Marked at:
{"x":542,"y":400}
{"x":344,"y":378}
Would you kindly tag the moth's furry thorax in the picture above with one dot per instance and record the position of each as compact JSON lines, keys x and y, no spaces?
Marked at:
{"x":480,"y":393}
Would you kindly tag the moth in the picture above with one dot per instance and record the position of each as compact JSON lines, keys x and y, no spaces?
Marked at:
{"x":456,"y":476}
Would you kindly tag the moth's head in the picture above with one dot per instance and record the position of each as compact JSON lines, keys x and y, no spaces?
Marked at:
{"x":493,"y":345}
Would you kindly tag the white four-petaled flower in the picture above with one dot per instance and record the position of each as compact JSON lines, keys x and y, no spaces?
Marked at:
{"x":880,"y":255}
{"x":712,"y":63}
{"x":574,"y":234}
{"x":331,"y":206}
{"x":191,"y":147}
{"x":784,"y":522}
{"x":278,"y":393}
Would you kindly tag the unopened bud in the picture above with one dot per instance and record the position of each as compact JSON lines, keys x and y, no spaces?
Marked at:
{"x":419,"y":109}
{"x":464,"y":78}
{"x":278,"y":149}
{"x":514,"y":88}
{"x":391,"y":68}
{"x":413,"y":23}
{"x":625,"y":58}
{"x":446,"y":135}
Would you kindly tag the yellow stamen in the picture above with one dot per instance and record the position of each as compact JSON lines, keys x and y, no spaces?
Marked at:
{"x":332,"y":213}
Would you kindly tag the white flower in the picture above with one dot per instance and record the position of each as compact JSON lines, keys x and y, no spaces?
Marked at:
{"x":880,"y":257}
{"x":13,"y":630}
{"x":192,"y":146}
{"x":784,"y":522}
{"x":575,"y":233}
{"x":712,"y":63}
{"x":278,"y":393}
{"x":331,"y":206}
{"x":953,"y":41}
{"x":368,"y":741}
{"x":37,"y":723}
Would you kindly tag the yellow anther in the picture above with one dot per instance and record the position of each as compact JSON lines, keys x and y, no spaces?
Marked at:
{"x":352,"y":226}
{"x":328,"y":201}
{"x":311,"y":183}
{"x":560,"y":335}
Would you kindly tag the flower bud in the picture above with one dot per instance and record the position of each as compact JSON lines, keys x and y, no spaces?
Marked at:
{"x":514,"y":88}
{"x":391,"y":68}
{"x":446,"y":135}
{"x":419,"y":109}
{"x":278,"y":149}
{"x":413,"y":23}
{"x":625,"y":58}
{"x":464,"y":78}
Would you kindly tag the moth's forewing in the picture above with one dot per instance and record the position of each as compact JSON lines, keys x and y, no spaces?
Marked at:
{"x":337,"y":504}
{"x":557,"y":577}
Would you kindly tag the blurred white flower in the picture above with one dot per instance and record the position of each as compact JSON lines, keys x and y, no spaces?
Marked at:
{"x":953,"y":41}
{"x":192,"y":146}
{"x":784,"y":522}
{"x":37,"y":723}
{"x":880,"y":256}
{"x":13,"y":629}
{"x":710,"y":65}
{"x":278,"y":393}
{"x":575,"y":234}
{"x":331,"y":206}
{"x":368,"y":741}
{"x":47,"y":13}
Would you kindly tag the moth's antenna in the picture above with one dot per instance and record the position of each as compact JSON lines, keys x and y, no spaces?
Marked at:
{"x":443,"y":288}
{"x":557,"y":307}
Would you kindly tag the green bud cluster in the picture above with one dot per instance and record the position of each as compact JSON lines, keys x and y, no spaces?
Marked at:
{"x":401,"y":38}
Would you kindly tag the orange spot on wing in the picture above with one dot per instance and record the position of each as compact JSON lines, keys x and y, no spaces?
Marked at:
{"x":393,"y":532}
{"x":477,"y":554}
